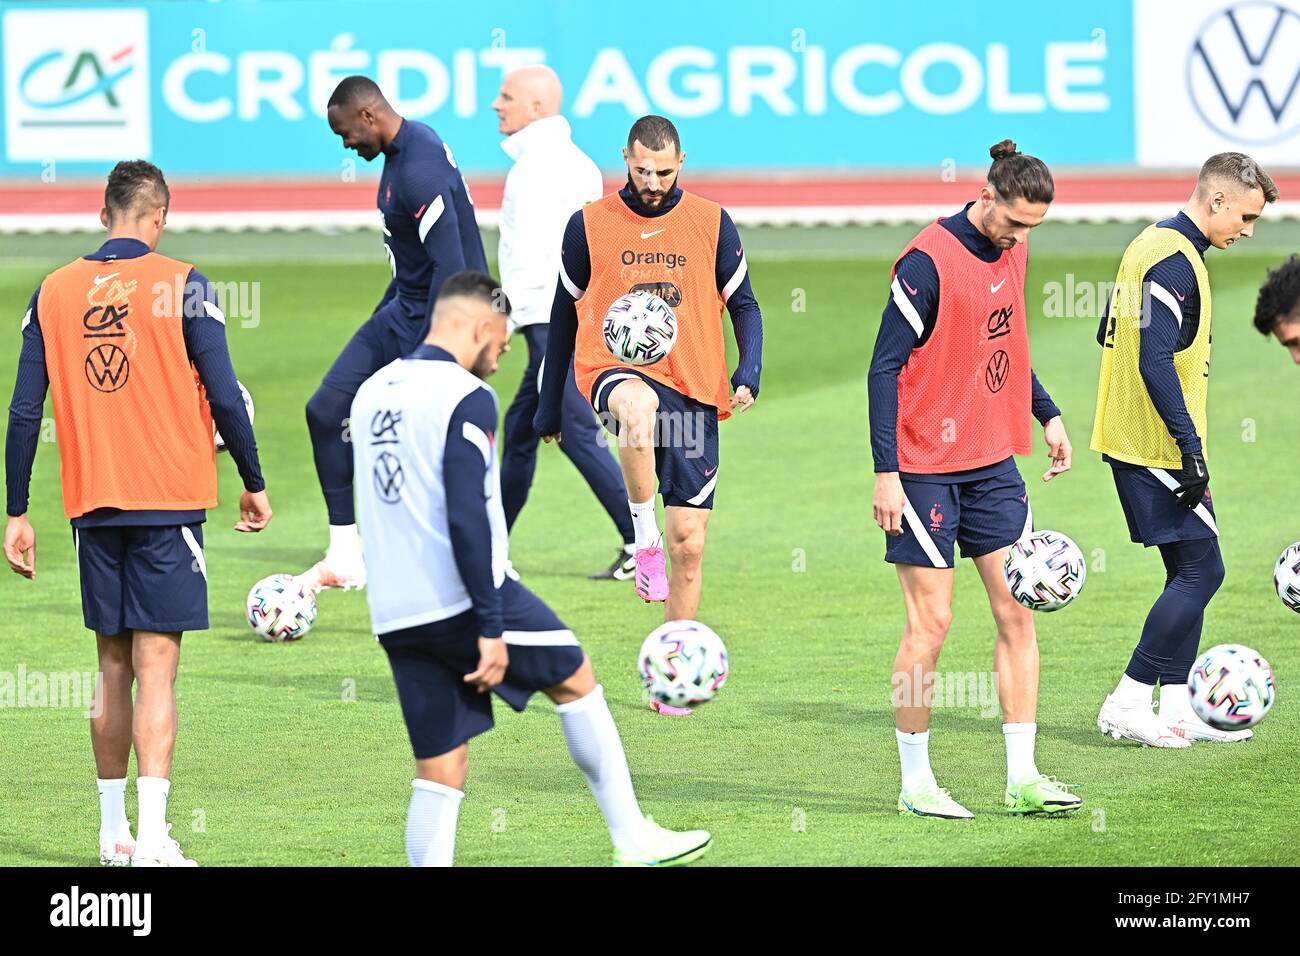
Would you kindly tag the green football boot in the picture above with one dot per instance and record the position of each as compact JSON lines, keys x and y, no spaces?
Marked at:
{"x":661,"y":847}
{"x":1043,"y":794}
{"x":931,"y":800}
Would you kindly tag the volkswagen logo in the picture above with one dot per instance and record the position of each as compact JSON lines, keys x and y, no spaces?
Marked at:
{"x":389,"y":478}
{"x":1243,"y":74}
{"x":995,"y":373}
{"x":107,"y":368}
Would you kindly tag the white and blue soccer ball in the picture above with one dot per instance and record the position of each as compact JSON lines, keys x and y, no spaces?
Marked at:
{"x":1231,"y":687}
{"x":248,"y":404}
{"x":683,"y":663}
{"x":640,"y":328}
{"x":1286,"y":577}
{"x":1045,"y":570}
{"x":279,"y":608}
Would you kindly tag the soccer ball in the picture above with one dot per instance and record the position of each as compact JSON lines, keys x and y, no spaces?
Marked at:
{"x":683,"y":663}
{"x":1231,"y":687}
{"x":280,"y":609}
{"x":1286,"y":577}
{"x":248,"y":404}
{"x":640,"y":328}
{"x":1045,"y":571}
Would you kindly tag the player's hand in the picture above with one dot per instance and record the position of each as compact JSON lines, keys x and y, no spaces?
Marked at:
{"x":20,"y":546}
{"x":1058,"y":448}
{"x":492,"y":662}
{"x":1193,"y":480}
{"x":254,"y":511}
{"x":742,"y":399}
{"x":888,"y":501}
{"x":547,"y":426}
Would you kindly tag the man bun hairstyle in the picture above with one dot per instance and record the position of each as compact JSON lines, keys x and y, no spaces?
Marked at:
{"x":135,"y":188}
{"x":1017,"y":175}
{"x":1279,"y":296}
{"x":1235,"y":169}
{"x":655,"y":132}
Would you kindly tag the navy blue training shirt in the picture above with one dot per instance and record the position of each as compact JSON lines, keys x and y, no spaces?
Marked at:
{"x":429,"y":226}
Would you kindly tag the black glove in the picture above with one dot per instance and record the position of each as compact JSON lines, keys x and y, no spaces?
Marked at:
{"x":1192,"y":480}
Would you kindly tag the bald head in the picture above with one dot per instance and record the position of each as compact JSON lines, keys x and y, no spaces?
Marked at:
{"x":527,"y":94}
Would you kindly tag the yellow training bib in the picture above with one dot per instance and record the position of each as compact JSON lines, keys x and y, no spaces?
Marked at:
{"x":1127,"y":426}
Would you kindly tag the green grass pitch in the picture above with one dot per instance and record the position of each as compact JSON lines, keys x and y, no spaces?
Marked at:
{"x":296,"y":754}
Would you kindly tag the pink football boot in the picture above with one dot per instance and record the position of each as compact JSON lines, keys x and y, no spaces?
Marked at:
{"x":651,"y":578}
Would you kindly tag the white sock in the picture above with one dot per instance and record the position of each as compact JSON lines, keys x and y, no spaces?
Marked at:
{"x":644,"y":524}
{"x":1131,"y":693}
{"x":595,"y":747}
{"x":630,"y":547}
{"x":112,"y":809}
{"x":152,"y":794}
{"x":431,"y":823}
{"x":1175,"y":704}
{"x":1020,"y":752}
{"x":914,"y":755}
{"x":344,"y":536}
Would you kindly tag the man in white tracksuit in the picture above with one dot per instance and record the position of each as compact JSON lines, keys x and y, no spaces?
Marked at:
{"x":551,"y":178}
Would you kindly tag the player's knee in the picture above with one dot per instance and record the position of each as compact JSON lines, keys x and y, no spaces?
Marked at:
{"x":636,"y":408}
{"x":927,"y":629}
{"x":1214,"y":572}
{"x":1014,"y":620}
{"x":686,"y":546}
{"x":327,"y":409}
{"x":576,"y":686}
{"x":449,"y":769}
{"x":115,"y":659}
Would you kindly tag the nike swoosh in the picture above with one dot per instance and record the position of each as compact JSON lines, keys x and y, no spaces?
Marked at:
{"x":420,"y":212}
{"x":101,"y":280}
{"x":910,"y":290}
{"x":710,"y":471}
{"x":647,"y":235}
{"x":994,"y":288}
{"x":1180,"y":297}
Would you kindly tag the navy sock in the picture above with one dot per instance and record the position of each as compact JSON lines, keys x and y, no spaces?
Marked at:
{"x":1172,"y":633}
{"x":327,"y":412}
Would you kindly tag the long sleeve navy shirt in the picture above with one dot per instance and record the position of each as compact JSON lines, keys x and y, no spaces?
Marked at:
{"x":430,"y":229}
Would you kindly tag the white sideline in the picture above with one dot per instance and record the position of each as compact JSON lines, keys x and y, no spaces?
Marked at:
{"x":267,"y":220}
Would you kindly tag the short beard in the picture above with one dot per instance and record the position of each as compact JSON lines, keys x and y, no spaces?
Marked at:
{"x":482,"y":366}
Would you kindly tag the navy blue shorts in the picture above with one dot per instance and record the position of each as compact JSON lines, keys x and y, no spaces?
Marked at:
{"x":982,"y":516}
{"x":390,"y":333}
{"x":430,"y":663}
{"x":1152,"y":510}
{"x":143,"y":578}
{"x":686,"y":439}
